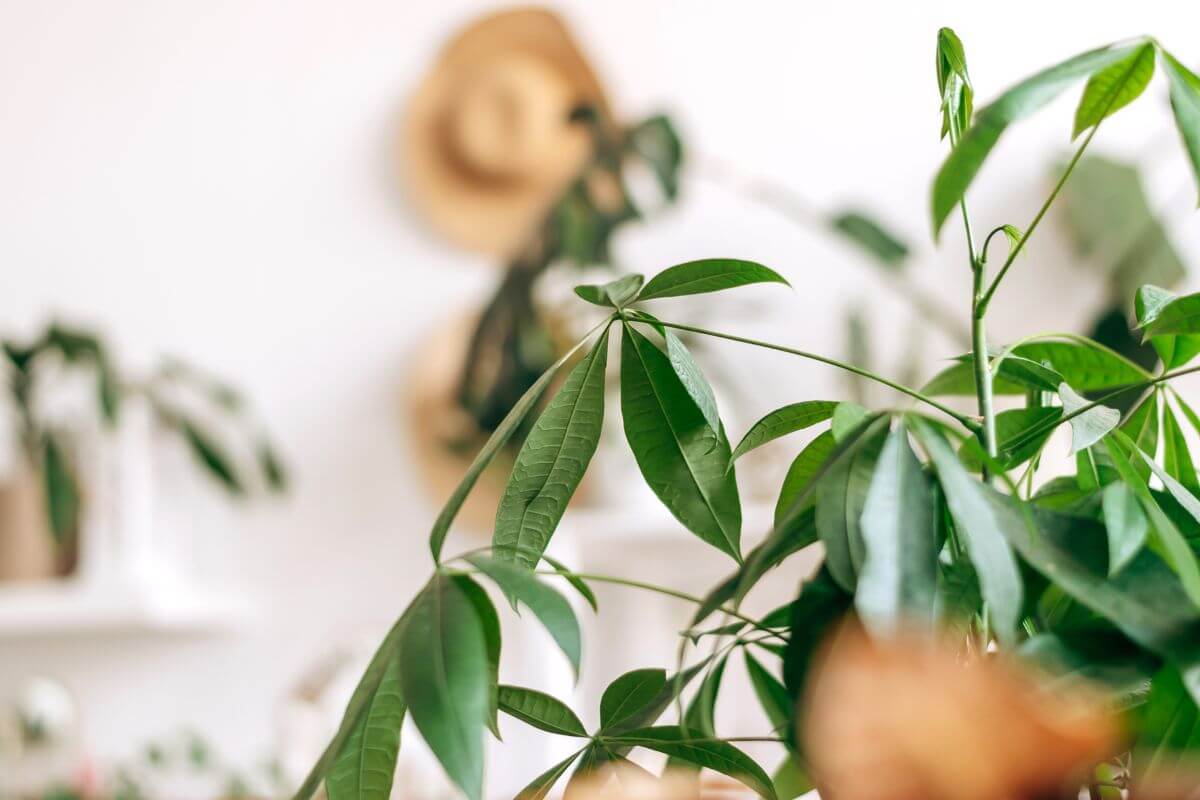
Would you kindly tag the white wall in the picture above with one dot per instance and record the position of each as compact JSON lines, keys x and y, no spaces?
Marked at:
{"x":216,"y":179}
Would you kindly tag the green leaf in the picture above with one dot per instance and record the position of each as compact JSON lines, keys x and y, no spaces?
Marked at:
{"x":63,"y":502}
{"x":693,"y":380}
{"x":1177,"y":460}
{"x":366,"y":764}
{"x":210,"y":455}
{"x":899,"y":574}
{"x":772,"y":696}
{"x":960,"y":167}
{"x":656,"y":141}
{"x":871,"y":237}
{"x":552,"y":462}
{"x":820,"y":606}
{"x":444,"y":675}
{"x":801,"y":473}
{"x":1114,"y":87}
{"x":1020,"y":433}
{"x":629,"y":694}
{"x":708,"y":275}
{"x":489,"y":621}
{"x":981,"y":530}
{"x":1142,"y":427}
{"x":1179,"y":316}
{"x":273,"y":472}
{"x":841,"y":496}
{"x":846,"y":417}
{"x":614,"y":294}
{"x":546,"y":603}
{"x":682,"y":459}
{"x":540,"y":710}
{"x":540,"y":786}
{"x":790,"y":779}
{"x":1185,"y":103}
{"x":1174,"y":546}
{"x":1126,"y":524}
{"x":954,"y":84}
{"x":701,"y":712}
{"x":499,"y":438}
{"x":1168,"y":729}
{"x":713,"y":754}
{"x":1092,"y":425}
{"x":1175,"y":351}
{"x":632,"y":706}
{"x":781,"y":422}
{"x":578,"y":583}
{"x":1086,"y":365}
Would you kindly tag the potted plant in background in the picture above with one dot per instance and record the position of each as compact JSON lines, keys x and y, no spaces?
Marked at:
{"x":44,"y":500}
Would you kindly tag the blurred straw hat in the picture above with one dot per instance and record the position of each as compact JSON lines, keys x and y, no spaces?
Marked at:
{"x":488,"y":142}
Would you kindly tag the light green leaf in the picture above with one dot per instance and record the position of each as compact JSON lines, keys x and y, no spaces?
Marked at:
{"x":870,"y":237}
{"x":1086,"y":365}
{"x":692,"y":378}
{"x":770,"y":692}
{"x":444,"y":676}
{"x":552,"y":461}
{"x":841,"y":496}
{"x":1126,"y":524}
{"x":800,"y":475}
{"x":540,"y":710}
{"x":1020,"y":433}
{"x":708,"y":275}
{"x":899,"y":574}
{"x":1092,"y":425}
{"x":578,"y":583}
{"x":713,"y":754}
{"x":540,"y":786}
{"x":982,"y":530}
{"x":614,"y":294}
{"x":682,"y":459}
{"x":954,"y":84}
{"x":499,"y":438}
{"x":1022,"y":100}
{"x":366,"y":765}
{"x":1185,"y":103}
{"x":629,"y":694}
{"x":1114,"y":87}
{"x":790,"y":779}
{"x":1179,"y":316}
{"x":846,"y":417}
{"x":781,"y":422}
{"x":1177,"y":460}
{"x":1175,"y":351}
{"x":547,"y":604}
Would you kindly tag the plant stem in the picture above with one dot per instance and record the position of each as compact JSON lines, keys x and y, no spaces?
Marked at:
{"x":962,"y":419}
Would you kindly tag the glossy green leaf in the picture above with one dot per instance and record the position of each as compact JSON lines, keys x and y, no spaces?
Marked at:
{"x":782,"y":421}
{"x":444,"y":675}
{"x":366,"y":765}
{"x":982,"y":532}
{"x":1175,"y":351}
{"x":1185,"y":103}
{"x":841,"y":497}
{"x":693,"y":380}
{"x":540,"y":710}
{"x":1088,"y":427}
{"x":579,"y":584}
{"x":552,"y":462}
{"x":1114,"y":87}
{"x":1020,"y":433}
{"x":800,"y":475}
{"x":712,"y":754}
{"x":1126,"y":524}
{"x":489,"y":621}
{"x":1177,"y":459}
{"x":1180,"y":316}
{"x":682,"y":459}
{"x":498,"y":439}
{"x":871,"y":237}
{"x":629,"y":694}
{"x":961,"y":166}
{"x":772,"y":696}
{"x":614,"y":294}
{"x":62,"y":498}
{"x":545,"y":602}
{"x":899,"y":574}
{"x":954,"y":84}
{"x":541,"y":786}
{"x":1086,"y":365}
{"x":708,"y":275}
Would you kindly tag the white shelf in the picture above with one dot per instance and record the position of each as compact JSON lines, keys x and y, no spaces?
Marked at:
{"x":55,"y":609}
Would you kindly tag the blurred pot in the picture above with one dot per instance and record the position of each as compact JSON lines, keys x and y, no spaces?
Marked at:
{"x":28,"y":551}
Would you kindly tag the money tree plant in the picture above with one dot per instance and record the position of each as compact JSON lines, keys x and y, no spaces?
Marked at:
{"x":930,"y":515}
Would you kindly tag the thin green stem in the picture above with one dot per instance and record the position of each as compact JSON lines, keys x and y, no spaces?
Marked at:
{"x":982,"y":305}
{"x":961,"y":418}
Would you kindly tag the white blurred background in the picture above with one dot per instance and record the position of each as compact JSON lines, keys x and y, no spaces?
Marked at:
{"x":218,"y":180}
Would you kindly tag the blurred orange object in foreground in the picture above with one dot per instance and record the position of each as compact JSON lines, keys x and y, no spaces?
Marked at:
{"x":910,"y":719}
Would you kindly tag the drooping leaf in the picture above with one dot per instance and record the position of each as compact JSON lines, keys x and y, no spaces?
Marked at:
{"x":540,"y":710}
{"x":693,"y":380}
{"x":499,"y":438}
{"x":489,"y":621}
{"x":1114,"y":87}
{"x":782,"y":421}
{"x":772,"y":695}
{"x":614,"y":294}
{"x":871,"y":237}
{"x":444,"y":676}
{"x":960,"y":167}
{"x":211,"y":456}
{"x":713,"y":754}
{"x":1126,"y":524}
{"x":540,"y":786}
{"x":700,"y":715}
{"x":708,"y":275}
{"x":1175,"y":351}
{"x":547,"y":604}
{"x":63,"y":502}
{"x":800,"y":475}
{"x":841,"y":497}
{"x":629,"y":694}
{"x":1177,"y":459}
{"x":682,"y":459}
{"x":578,"y":583}
{"x":898,"y":580}
{"x":981,"y":530}
{"x":1185,"y":103}
{"x":366,"y":765}
{"x":1091,"y":425}
{"x":1020,"y":434}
